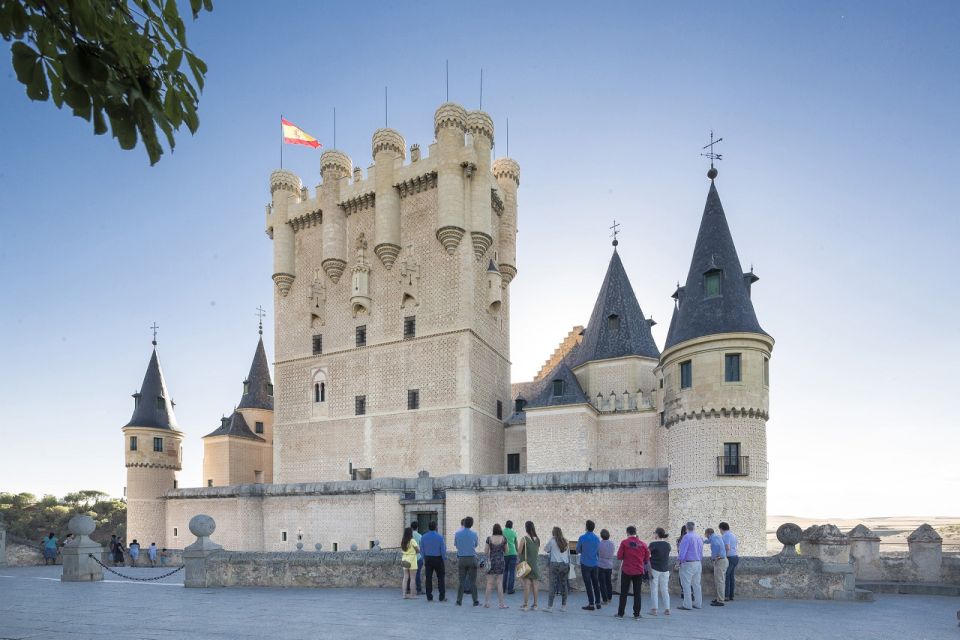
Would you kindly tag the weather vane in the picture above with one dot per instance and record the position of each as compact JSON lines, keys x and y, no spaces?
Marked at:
{"x":260,"y":314}
{"x":712,"y":155}
{"x":154,"y":327}
{"x":616,"y":230}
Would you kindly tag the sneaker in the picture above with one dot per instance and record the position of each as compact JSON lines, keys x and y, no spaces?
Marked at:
{"x":563,"y":608}
{"x":696,"y":607}
{"x":637,"y":617}
{"x":459,"y":604}
{"x":653,"y":612}
{"x":682,"y":608}
{"x":548,"y":610}
{"x":589,"y":607}
{"x":619,"y":616}
{"x":716,"y":603}
{"x":598,"y":606}
{"x":476,"y":603}
{"x":666,"y":612}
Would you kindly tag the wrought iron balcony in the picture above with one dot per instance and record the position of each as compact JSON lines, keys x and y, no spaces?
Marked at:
{"x":733,"y":465}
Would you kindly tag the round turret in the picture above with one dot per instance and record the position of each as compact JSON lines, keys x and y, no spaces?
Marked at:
{"x":449,"y":114}
{"x":506,"y":168}
{"x":286,"y":180}
{"x":480,"y":123}
{"x":336,"y":161}
{"x":389,"y":140}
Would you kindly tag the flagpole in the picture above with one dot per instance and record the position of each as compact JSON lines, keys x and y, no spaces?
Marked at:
{"x":281,"y":141}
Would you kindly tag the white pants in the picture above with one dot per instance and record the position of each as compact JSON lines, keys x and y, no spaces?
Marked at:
{"x":660,"y":586}
{"x":690,"y":579}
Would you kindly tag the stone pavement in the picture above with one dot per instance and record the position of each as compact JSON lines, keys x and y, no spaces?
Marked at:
{"x":35,"y":604}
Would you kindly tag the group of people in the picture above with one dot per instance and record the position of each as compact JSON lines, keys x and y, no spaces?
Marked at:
{"x":117,"y":553}
{"x":511,"y":556}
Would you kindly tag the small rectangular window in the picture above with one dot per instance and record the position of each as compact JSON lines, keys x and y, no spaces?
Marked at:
{"x":712,"y":281}
{"x":175,"y":484}
{"x":336,"y":546}
{"x":499,"y":410}
{"x":283,"y":536}
{"x":518,"y":405}
{"x":558,"y":388}
{"x":160,"y":403}
{"x":362,"y":335}
{"x":176,"y":532}
{"x":661,"y":383}
{"x":258,"y":427}
{"x":766,"y":372}
{"x":731,"y":367}
{"x":663,"y":419}
{"x":158,"y":444}
{"x":413,"y":398}
{"x":409,"y":327}
{"x":513,"y":463}
{"x":133,"y":443}
{"x":317,"y":344}
{"x":360,"y":405}
{"x":686,"y":374}
{"x":209,"y":483}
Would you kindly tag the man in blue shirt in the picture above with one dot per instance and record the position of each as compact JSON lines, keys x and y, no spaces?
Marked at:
{"x":588,"y":547}
{"x":466,"y":542}
{"x":733,"y":559}
{"x":689,"y":556}
{"x":434,"y":550}
{"x":718,"y":554}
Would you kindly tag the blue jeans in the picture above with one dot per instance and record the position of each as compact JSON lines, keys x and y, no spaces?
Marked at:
{"x":729,"y":578}
{"x":419,"y":571}
{"x":591,"y":582}
{"x":606,"y":584}
{"x":509,"y":573}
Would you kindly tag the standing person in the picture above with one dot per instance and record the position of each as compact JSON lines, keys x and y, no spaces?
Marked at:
{"x":660,"y":572}
{"x":466,"y":542}
{"x":509,"y":558}
{"x":118,"y":554}
{"x":417,"y":537}
{"x":733,"y":559}
{"x":529,"y":551}
{"x":434,"y":550}
{"x":134,"y":549}
{"x":588,"y":547}
{"x":496,"y":548}
{"x":718,"y":554}
{"x":559,"y":551}
{"x":113,"y":549}
{"x":50,"y":549}
{"x":152,"y":554}
{"x":689,"y":556}
{"x":606,"y":554}
{"x":410,"y":549}
{"x":164,"y":554}
{"x":635,"y":555}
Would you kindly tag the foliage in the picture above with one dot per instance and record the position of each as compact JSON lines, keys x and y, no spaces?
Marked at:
{"x":116,"y":60}
{"x":28,"y":517}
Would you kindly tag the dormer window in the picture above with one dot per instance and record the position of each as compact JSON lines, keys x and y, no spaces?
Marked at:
{"x":136,"y":400}
{"x":160,"y":403}
{"x":519,"y":404}
{"x":246,"y":387}
{"x":269,"y":388}
{"x":558,"y":388}
{"x":712,"y":281}
{"x":613,"y":322}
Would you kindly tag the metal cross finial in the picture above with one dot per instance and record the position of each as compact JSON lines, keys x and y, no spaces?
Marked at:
{"x":154,"y":327}
{"x":616,"y":230}
{"x":260,"y":314}
{"x":712,"y":155}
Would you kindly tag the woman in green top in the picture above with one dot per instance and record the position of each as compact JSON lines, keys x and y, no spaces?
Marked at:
{"x":529,"y":551}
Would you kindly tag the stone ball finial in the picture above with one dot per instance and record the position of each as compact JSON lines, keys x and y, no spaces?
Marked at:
{"x":336,"y":164}
{"x":299,"y":546}
{"x":354,"y":547}
{"x":924,"y":533}
{"x":285,"y":180}
{"x":712,"y":173}
{"x":318,"y":546}
{"x":81,"y":525}
{"x":389,"y":140}
{"x":506,"y":168}
{"x":202,"y":525}
{"x":449,"y":114}
{"x":789,"y":534}
{"x":480,"y":123}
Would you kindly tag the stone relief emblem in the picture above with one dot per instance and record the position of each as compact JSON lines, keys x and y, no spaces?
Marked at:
{"x":318,"y":300}
{"x":409,"y":280}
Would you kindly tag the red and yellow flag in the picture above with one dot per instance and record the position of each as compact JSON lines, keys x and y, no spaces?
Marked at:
{"x":292,"y":134}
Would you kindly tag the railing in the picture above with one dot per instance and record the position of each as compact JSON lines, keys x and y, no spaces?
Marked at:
{"x":733,"y":465}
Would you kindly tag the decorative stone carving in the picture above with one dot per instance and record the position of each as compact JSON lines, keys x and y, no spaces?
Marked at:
{"x":450,"y":238}
{"x":360,"y":299}
{"x":924,"y":533}
{"x":480,"y":123}
{"x":409,"y":280}
{"x":78,"y":566}
{"x":417,"y":184}
{"x":825,"y":542}
{"x":414,"y":153}
{"x":449,"y":114}
{"x":468,"y":169}
{"x":506,"y":168}
{"x":283,"y":281}
{"x":286,"y":181}
{"x":359,"y":203}
{"x":387,"y":253}
{"x":496,"y":202}
{"x":862,"y":532}
{"x":481,"y":242}
{"x":389,"y":140}
{"x":306,"y":220}
{"x":333,"y":267}
{"x":357,"y":175}
{"x":789,"y":535}
{"x":318,"y":300}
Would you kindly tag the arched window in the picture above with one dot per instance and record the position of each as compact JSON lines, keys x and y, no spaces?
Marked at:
{"x":316,"y":392}
{"x":323,"y":392}
{"x":319,"y":388}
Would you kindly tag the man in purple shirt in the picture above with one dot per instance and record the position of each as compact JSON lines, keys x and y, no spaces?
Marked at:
{"x":689,"y":556}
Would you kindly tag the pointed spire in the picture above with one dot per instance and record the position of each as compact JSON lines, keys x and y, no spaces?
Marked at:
{"x":716,"y":297}
{"x":258,"y":388}
{"x":153,"y":407}
{"x":559,"y":387}
{"x":617,"y":325}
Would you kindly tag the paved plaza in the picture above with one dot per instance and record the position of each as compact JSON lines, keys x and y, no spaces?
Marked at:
{"x":35,"y":604}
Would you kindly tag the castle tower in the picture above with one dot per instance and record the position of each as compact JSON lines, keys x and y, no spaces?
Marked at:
{"x":240,"y":450}
{"x":153,"y":456}
{"x":715,"y":394}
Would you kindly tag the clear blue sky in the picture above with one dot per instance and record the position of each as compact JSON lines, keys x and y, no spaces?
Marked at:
{"x":840,"y":126}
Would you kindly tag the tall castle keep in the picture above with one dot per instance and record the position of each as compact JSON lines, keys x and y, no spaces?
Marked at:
{"x":393,"y":399}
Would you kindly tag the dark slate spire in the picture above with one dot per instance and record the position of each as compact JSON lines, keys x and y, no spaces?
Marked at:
{"x":731,"y":311}
{"x":257,"y":388}
{"x":571,"y":393}
{"x":617,"y":326}
{"x":153,"y":407}
{"x":236,"y":426}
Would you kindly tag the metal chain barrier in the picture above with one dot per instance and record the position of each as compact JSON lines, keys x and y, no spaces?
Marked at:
{"x":160,"y":577}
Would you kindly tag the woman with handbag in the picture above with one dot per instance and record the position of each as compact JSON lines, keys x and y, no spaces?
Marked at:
{"x":528,"y":569}
{"x":559,"y":551}
{"x":496,"y":548}
{"x":408,"y":561}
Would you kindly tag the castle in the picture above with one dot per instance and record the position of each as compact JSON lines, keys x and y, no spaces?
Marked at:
{"x":393,"y":399}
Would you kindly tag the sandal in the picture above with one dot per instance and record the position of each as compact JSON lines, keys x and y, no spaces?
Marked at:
{"x":504,"y":606}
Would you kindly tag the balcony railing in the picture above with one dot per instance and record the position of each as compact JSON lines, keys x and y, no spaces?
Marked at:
{"x":733,"y":466}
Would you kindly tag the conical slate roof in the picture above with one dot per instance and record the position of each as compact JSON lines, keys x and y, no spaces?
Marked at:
{"x":235,"y":425}
{"x":258,"y":388}
{"x":617,"y":325}
{"x":153,"y":407}
{"x":572,"y":391}
{"x":731,"y":311}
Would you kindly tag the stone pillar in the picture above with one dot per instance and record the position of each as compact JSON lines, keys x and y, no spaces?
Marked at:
{"x":195,"y":556}
{"x":926,"y":553}
{"x":78,"y":566}
{"x":827,"y":543}
{"x":865,"y":549}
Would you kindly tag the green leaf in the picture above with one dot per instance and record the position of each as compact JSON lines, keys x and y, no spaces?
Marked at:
{"x":99,"y":123}
{"x":195,"y":6}
{"x":24,"y":59}
{"x":79,"y":100}
{"x":37,"y":88}
{"x":175,"y":59}
{"x":124,"y":131}
{"x":75,"y":67}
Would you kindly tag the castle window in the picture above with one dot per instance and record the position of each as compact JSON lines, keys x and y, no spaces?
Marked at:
{"x":246,"y":387}
{"x":686,"y":374}
{"x":283,"y":536}
{"x":661,"y":383}
{"x":136,"y":400}
{"x":409,"y":327}
{"x":176,"y":532}
{"x":270,"y":389}
{"x":731,"y":367}
{"x":362,"y":335}
{"x":316,"y":392}
{"x":613,"y":322}
{"x":336,"y":546}
{"x":519,"y":404}
{"x":558,"y":388}
{"x":258,"y":427}
{"x":209,"y":483}
{"x":317,"y":344}
{"x":513,"y":463}
{"x":731,"y":463}
{"x":158,"y":444}
{"x":133,"y":443}
{"x":499,"y":410}
{"x":413,"y":398}
{"x":174,"y":484}
{"x":711,"y":283}
{"x":663,"y":419}
{"x":160,"y":403}
{"x":766,"y":372}
{"x":360,"y":405}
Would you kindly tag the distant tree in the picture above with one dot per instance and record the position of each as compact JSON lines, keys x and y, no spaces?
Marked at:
{"x":27,"y":517}
{"x":116,"y":60}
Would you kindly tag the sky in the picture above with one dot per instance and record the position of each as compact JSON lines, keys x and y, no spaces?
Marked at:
{"x":840,"y":124}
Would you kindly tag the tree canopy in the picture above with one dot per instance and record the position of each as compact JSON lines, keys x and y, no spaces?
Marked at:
{"x":110,"y":60}
{"x":28,"y":517}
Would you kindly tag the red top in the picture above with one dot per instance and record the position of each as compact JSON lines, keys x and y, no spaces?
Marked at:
{"x":634,"y":553}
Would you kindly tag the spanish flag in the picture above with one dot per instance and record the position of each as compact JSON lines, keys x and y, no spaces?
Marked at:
{"x":292,"y":134}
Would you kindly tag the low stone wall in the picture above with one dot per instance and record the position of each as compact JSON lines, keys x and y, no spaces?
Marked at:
{"x":22,"y":553}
